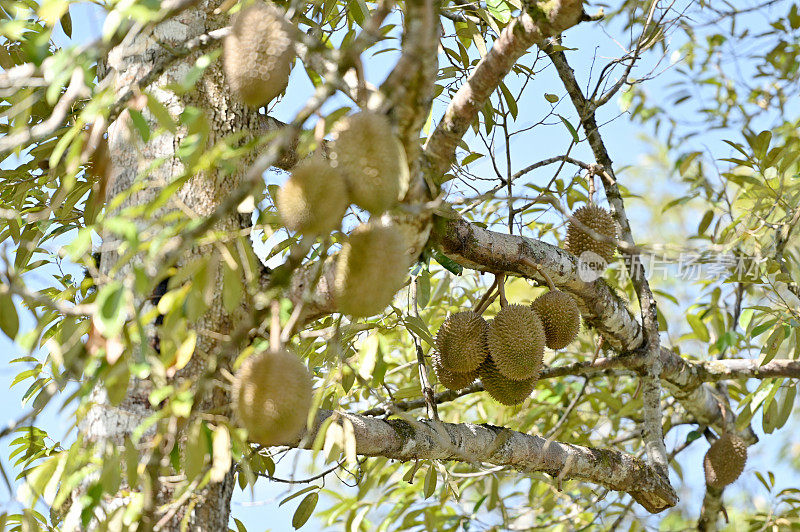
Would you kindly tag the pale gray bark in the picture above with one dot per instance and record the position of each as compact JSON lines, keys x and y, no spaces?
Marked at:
{"x":129,"y":63}
{"x":408,"y":439}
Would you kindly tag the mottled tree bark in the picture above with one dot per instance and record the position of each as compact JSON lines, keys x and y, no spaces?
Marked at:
{"x":128,"y":63}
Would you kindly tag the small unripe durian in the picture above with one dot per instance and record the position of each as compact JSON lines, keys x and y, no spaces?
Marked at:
{"x":560,"y":317}
{"x":725,"y":460}
{"x":372,"y":160}
{"x":272,"y":397}
{"x":370,"y":269}
{"x":502,"y":389}
{"x":516,"y":342}
{"x":450,"y":379}
{"x":600,"y":221}
{"x":258,"y":54}
{"x":314,"y":199}
{"x":461,"y":342}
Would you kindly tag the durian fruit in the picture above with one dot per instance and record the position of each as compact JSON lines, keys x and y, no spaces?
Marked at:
{"x":600,"y":221}
{"x":450,"y":379}
{"x":371,"y":158}
{"x":516,"y":342}
{"x":258,"y":54}
{"x":502,"y":389}
{"x":725,"y":460}
{"x":560,"y":317}
{"x":461,"y":342}
{"x":272,"y":397}
{"x":314,"y":199}
{"x":370,"y":269}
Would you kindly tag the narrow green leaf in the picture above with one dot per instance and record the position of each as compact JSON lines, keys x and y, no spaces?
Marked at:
{"x":9,"y":319}
{"x":570,"y":128}
{"x":305,"y":509}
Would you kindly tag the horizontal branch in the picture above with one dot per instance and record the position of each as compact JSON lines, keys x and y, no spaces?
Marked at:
{"x":401,"y":439}
{"x":480,"y":249}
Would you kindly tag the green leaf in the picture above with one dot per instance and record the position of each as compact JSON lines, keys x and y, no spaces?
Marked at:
{"x":570,"y":128}
{"x":417,"y":326}
{"x":705,"y":222}
{"x":552,"y":98}
{"x":9,"y":319}
{"x":305,"y":509}
{"x":140,"y":124}
{"x":297,"y":494}
{"x":430,"y":482}
{"x":499,"y":9}
{"x":446,"y":262}
{"x":787,"y":402}
{"x":423,"y":281}
{"x":699,"y":328}
{"x":66,"y":23}
{"x":161,"y":114}
{"x":111,"y":309}
{"x":231,"y":288}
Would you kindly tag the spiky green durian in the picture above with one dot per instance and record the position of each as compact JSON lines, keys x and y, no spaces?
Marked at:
{"x":725,"y":460}
{"x":450,"y":379}
{"x":560,"y":317}
{"x":516,"y":342}
{"x":502,"y":389}
{"x":461,"y":342}
{"x":314,"y":199}
{"x":372,"y":159}
{"x":272,"y":397}
{"x":600,"y":221}
{"x":258,"y":54}
{"x":370,"y":269}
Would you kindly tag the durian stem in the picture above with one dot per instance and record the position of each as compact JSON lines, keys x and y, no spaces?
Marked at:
{"x":592,"y":190}
{"x":486,"y":300}
{"x":275,"y":325}
{"x":541,"y":270}
{"x":501,"y":288}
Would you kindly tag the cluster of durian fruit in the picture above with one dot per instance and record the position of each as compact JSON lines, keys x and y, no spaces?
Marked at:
{"x":507,"y":352}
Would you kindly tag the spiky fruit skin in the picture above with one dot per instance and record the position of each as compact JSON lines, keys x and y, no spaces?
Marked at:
{"x":560,"y":317}
{"x":725,"y":460}
{"x":314,"y":199}
{"x":372,"y":160}
{"x":462,"y":342}
{"x":450,"y":379}
{"x":599,"y":220}
{"x":505,"y":391}
{"x":516,"y":342}
{"x":258,"y":54}
{"x":272,"y":397}
{"x":370,"y":269}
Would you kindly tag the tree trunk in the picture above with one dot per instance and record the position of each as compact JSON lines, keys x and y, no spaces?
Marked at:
{"x":208,"y":508}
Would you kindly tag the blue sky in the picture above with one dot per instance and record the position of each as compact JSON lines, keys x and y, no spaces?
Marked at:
{"x":260,"y":511}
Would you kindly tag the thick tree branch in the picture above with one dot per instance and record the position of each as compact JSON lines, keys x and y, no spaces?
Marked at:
{"x":512,"y":43}
{"x":400,"y":439}
{"x":480,"y":249}
{"x":712,"y":506}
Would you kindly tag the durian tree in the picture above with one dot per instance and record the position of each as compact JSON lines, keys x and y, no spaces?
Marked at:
{"x":236,"y":259}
